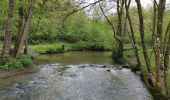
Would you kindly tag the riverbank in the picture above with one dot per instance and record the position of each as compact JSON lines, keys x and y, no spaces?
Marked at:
{"x":15,"y":66}
{"x":7,"y":74}
{"x":65,"y":47}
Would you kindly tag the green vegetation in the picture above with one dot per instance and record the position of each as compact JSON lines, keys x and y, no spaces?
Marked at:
{"x":57,"y":47}
{"x":130,"y":58}
{"x":55,"y":27}
{"x":17,"y":63}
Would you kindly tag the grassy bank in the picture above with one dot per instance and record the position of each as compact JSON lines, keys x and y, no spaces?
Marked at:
{"x":16,"y":63}
{"x":58,"y":47}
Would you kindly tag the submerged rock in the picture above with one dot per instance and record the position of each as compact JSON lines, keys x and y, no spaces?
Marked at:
{"x":120,"y":68}
{"x":126,"y":66}
{"x":108,"y":70}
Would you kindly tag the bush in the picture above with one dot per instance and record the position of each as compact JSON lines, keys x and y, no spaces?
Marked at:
{"x":81,"y":46}
{"x":25,"y":60}
{"x":89,"y":46}
{"x":54,"y":50}
{"x":12,"y":64}
{"x":17,"y":63}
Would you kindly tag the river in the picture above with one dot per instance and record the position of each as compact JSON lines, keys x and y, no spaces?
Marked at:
{"x":75,"y":76}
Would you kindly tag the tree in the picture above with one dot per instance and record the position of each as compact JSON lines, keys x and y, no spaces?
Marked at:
{"x":24,"y":31}
{"x":132,"y":35}
{"x":9,"y":32}
{"x":118,"y":54}
{"x":159,"y":45}
{"x":150,"y":74}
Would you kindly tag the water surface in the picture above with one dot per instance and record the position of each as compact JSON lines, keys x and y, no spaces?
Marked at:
{"x":77,"y":57}
{"x":75,"y":76}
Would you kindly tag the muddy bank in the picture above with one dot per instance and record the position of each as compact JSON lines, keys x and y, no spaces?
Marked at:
{"x":7,"y":74}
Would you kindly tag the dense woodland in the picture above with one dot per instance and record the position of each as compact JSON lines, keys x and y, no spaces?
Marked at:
{"x":137,"y":35}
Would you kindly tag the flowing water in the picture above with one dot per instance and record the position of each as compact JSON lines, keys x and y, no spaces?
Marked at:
{"x":75,"y":76}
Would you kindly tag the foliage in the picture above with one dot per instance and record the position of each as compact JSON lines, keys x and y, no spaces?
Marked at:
{"x":25,"y":60}
{"x":57,"y":47}
{"x":12,"y":64}
{"x":17,"y":63}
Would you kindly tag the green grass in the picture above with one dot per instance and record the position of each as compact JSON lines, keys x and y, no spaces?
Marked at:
{"x":57,"y":47}
{"x":42,"y":48}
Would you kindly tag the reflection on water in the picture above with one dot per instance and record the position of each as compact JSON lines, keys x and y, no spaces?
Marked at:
{"x":88,"y":57}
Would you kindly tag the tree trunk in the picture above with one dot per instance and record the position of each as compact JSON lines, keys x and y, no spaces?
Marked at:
{"x":142,"y":34}
{"x":26,"y":46}
{"x":9,"y":32}
{"x":118,"y":52}
{"x":167,"y":47}
{"x":159,"y":48}
{"x":133,"y":38}
{"x":133,"y":42}
{"x":167,"y":58}
{"x":150,"y":74}
{"x":154,"y":26}
{"x":20,"y":22}
{"x":23,"y":33}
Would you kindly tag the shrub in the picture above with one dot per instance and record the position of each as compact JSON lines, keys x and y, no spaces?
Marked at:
{"x":25,"y":60}
{"x":17,"y":63}
{"x":12,"y":64}
{"x":54,"y":49}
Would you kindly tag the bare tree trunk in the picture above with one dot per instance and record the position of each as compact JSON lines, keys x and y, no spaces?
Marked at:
{"x":26,"y":46}
{"x":167,"y":57}
{"x":132,"y":33}
{"x":166,"y":38}
{"x":38,"y":24}
{"x":24,"y":31}
{"x":8,"y":35}
{"x":133,"y":41}
{"x":118,"y":54}
{"x":159,"y":48}
{"x":154,"y":28}
{"x":167,"y":46}
{"x":150,"y":73}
